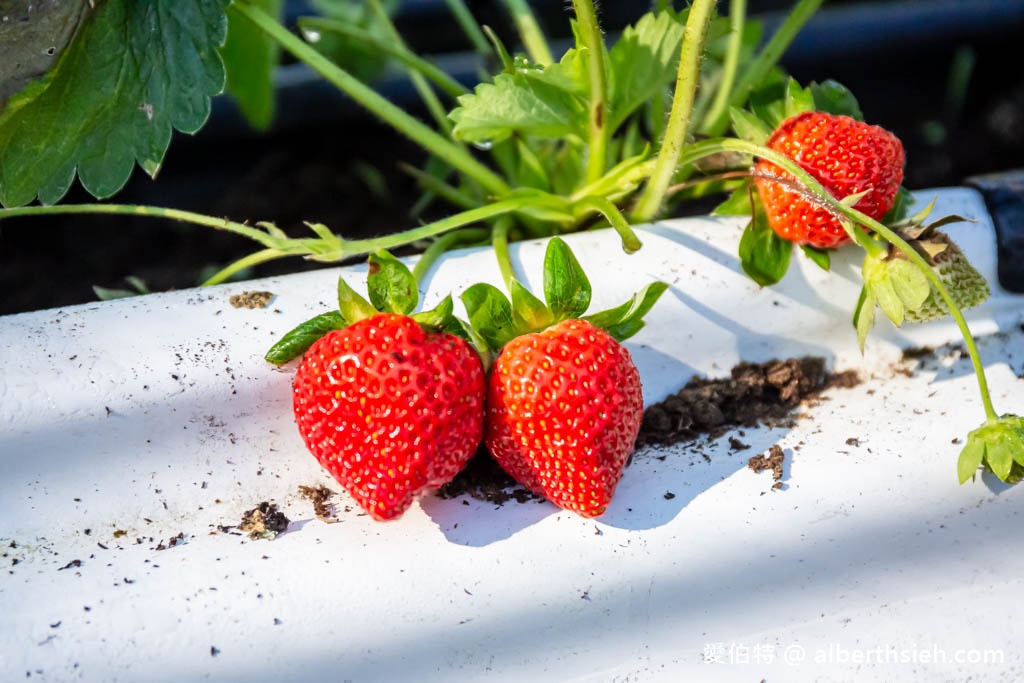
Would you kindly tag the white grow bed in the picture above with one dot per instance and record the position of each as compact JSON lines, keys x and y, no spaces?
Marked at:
{"x":157,"y":416}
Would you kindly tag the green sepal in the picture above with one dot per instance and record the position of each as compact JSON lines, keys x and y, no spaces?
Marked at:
{"x":390,"y":284}
{"x":763,"y":254}
{"x":901,"y":207}
{"x":896,"y":285}
{"x":833,"y":97}
{"x":738,"y":203}
{"x":490,"y":314}
{"x":529,"y":312}
{"x":798,"y":99}
{"x":296,"y":342}
{"x":352,"y":305}
{"x":625,"y":320}
{"x":749,"y":127}
{"x":864,"y":316}
{"x":566,"y":287}
{"x":440,"y":317}
{"x":820,"y":257}
{"x":997,"y":445}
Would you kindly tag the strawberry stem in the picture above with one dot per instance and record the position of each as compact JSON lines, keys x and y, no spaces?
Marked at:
{"x":701,"y":12}
{"x":720,"y":105}
{"x":499,"y":239}
{"x":404,"y":123}
{"x":590,"y":32}
{"x":529,"y":32}
{"x":439,"y":246}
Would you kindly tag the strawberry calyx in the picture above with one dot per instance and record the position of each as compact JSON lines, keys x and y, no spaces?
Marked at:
{"x":901,"y":289}
{"x":391,"y":288}
{"x":998,"y":446}
{"x":495,"y":319}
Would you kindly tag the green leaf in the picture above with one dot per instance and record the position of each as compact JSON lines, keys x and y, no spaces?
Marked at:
{"x":763,"y":254}
{"x":250,"y":57}
{"x":798,"y":99}
{"x":566,"y":287}
{"x":909,"y":283}
{"x":864,"y":316}
{"x":440,"y":317}
{"x":391,"y":285}
{"x":749,"y":127}
{"x":135,"y":71}
{"x":529,"y":311}
{"x":296,"y":342}
{"x":353,"y":307}
{"x":568,"y":74}
{"x":490,"y":314}
{"x":769,"y":102}
{"x":518,"y":104}
{"x":834,"y":98}
{"x":642,"y":63}
{"x":821,"y":257}
{"x":623,"y":321}
{"x":901,"y":208}
{"x":880,"y":287}
{"x":738,"y":203}
{"x":970,"y":458}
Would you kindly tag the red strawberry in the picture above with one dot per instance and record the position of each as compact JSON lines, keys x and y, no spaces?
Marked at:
{"x":846,"y":156}
{"x":390,"y":410}
{"x":564,"y":409}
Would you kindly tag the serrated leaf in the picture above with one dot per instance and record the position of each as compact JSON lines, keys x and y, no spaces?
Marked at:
{"x":529,"y":311}
{"x":748,"y":126}
{"x":352,"y":305}
{"x":798,"y":99}
{"x":864,"y":317}
{"x":833,"y":97}
{"x":642,"y":63}
{"x":135,"y":71}
{"x":517,"y":103}
{"x":763,"y":254}
{"x":568,"y":74}
{"x":296,"y":342}
{"x":970,"y":458}
{"x":250,"y":57}
{"x":391,"y":285}
{"x":625,"y":320}
{"x":909,"y":283}
{"x":490,"y":314}
{"x":566,"y":287}
{"x":820,"y":257}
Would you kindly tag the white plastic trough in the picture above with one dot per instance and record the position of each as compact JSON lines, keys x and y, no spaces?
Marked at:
{"x":123,"y":424}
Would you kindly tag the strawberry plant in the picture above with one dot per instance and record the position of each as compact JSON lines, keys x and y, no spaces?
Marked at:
{"x":600,"y":136}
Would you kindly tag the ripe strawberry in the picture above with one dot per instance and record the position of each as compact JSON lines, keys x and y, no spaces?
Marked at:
{"x":846,"y":156}
{"x":564,"y":410}
{"x":389,"y":409}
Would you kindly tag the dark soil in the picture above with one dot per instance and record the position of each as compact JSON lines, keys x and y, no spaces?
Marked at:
{"x":754,"y":393}
{"x":263,"y":521}
{"x":319,"y":495}
{"x":772,"y":460}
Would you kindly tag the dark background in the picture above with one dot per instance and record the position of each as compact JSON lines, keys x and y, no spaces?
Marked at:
{"x":325,"y":160}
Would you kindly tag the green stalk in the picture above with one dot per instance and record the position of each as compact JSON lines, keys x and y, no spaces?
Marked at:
{"x":857,"y":217}
{"x":419,"y":82}
{"x":408,"y":125}
{"x":483,"y":213}
{"x":590,"y":31}
{"x":445,"y":243}
{"x":469,"y":26}
{"x":737,"y":17}
{"x":768,"y":58}
{"x":249,"y":261}
{"x":399,"y":52}
{"x":679,"y":118}
{"x":499,"y":240}
{"x":529,"y":32}
{"x":630,"y":242}
{"x":263,"y":238}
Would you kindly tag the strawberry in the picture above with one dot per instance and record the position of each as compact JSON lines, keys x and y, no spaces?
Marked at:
{"x":965,"y":284}
{"x":846,"y":156}
{"x":564,"y":410}
{"x":390,"y":410}
{"x":564,"y":400}
{"x":388,"y":401}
